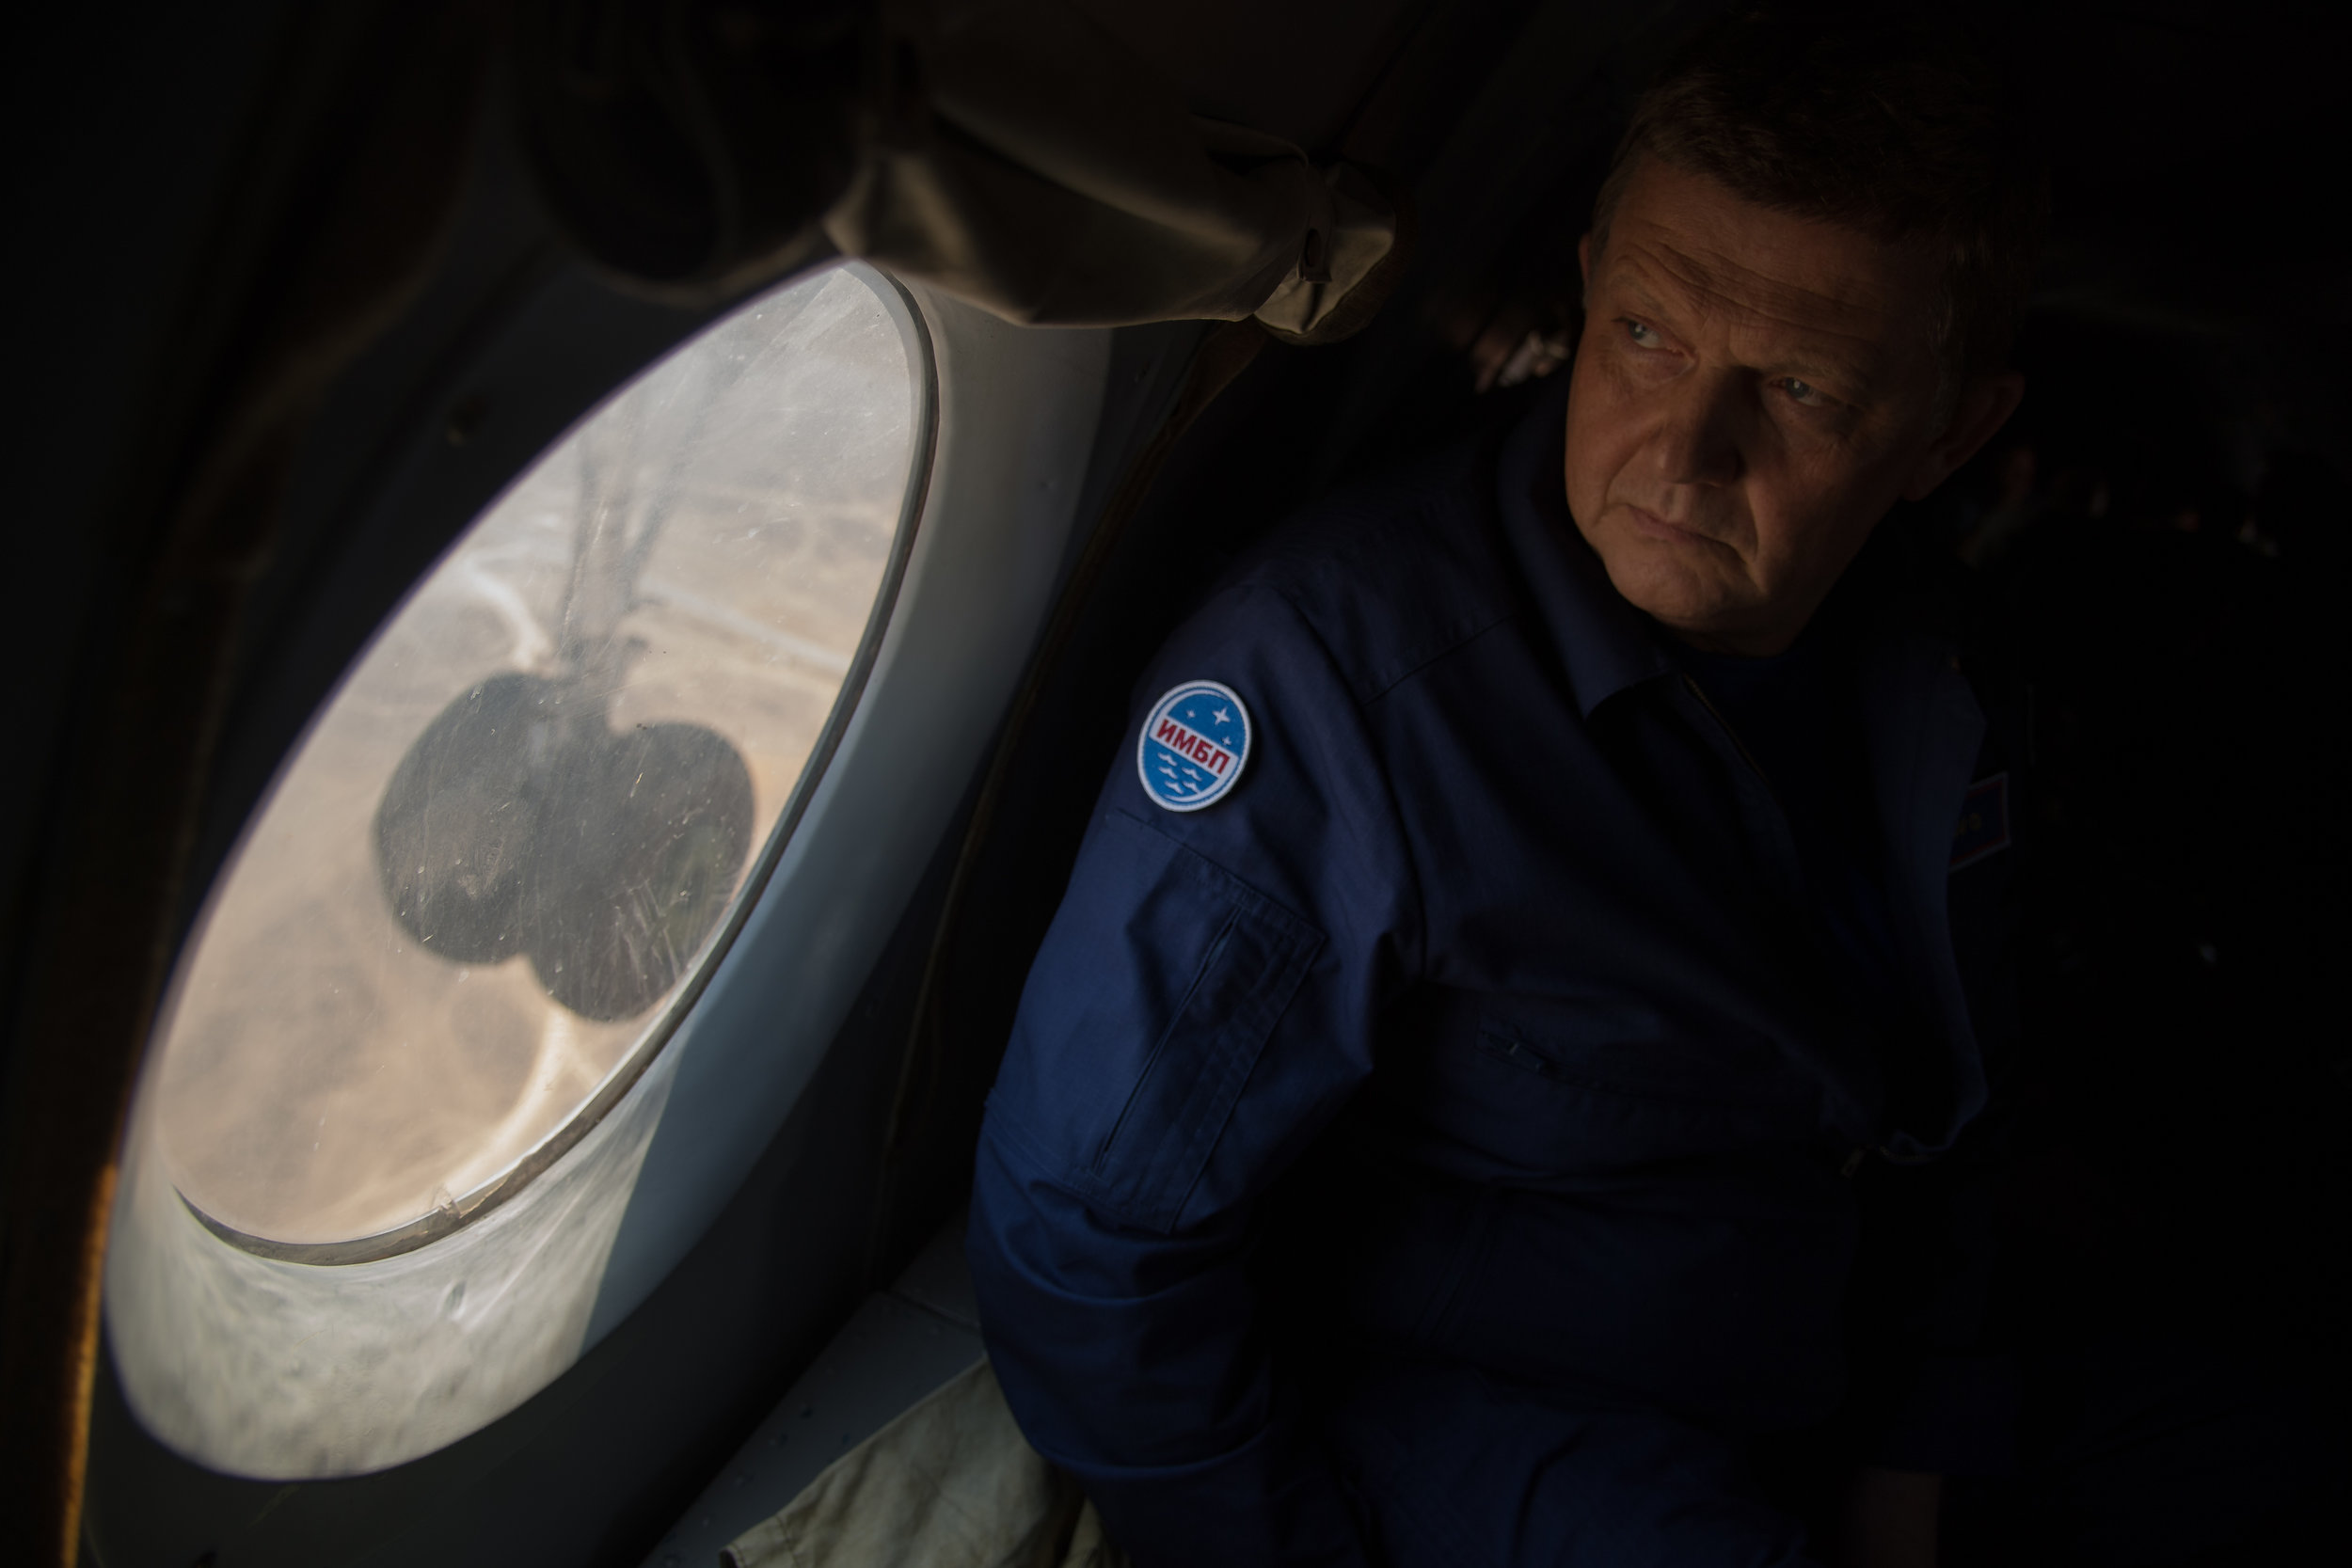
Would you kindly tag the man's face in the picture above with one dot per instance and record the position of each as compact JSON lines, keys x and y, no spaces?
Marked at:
{"x":1751,"y":392}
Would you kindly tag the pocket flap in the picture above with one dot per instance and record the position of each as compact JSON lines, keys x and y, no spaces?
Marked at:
{"x":1156,"y":990}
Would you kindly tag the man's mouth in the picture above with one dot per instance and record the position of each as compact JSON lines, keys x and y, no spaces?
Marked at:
{"x":1650,"y":524}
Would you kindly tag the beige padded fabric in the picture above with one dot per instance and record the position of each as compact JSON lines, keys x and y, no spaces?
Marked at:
{"x":951,"y":1483}
{"x":1025,"y":161}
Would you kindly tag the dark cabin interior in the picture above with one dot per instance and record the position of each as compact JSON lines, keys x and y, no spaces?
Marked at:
{"x":212,"y":201}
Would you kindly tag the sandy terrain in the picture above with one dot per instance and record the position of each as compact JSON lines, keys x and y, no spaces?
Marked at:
{"x":323,"y":1076}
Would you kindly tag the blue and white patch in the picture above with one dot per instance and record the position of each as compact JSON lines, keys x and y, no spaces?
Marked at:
{"x":1194,"y":745}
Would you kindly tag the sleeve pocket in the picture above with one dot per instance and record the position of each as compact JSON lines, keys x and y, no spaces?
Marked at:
{"x":1155,"y":992}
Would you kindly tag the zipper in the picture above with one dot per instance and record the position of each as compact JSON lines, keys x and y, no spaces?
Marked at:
{"x":1787,"y":832}
{"x":1861,"y":1151}
{"x":1731,"y":734}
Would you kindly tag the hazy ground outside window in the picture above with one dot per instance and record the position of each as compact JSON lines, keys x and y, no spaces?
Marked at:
{"x":518,"y":825}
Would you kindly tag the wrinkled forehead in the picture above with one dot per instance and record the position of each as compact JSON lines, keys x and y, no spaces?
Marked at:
{"x":1685,"y":247}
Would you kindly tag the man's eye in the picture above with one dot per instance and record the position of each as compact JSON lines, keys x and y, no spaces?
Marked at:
{"x":1804,"y":392}
{"x":1642,"y":337}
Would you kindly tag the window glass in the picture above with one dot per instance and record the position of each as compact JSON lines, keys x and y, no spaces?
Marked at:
{"x":496,"y":863}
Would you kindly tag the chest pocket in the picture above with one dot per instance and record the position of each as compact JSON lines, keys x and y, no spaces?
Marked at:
{"x":1148,"y":1009}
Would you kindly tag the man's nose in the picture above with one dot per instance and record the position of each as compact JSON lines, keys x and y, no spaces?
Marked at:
{"x":1697,"y":441}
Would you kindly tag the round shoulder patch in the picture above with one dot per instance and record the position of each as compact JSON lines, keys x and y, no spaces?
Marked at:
{"x":1194,"y":743}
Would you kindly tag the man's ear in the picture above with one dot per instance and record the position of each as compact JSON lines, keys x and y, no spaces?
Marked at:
{"x":1984,"y":406}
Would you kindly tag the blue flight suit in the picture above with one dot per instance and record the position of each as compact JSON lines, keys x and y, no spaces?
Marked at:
{"x":1458,"y":1144}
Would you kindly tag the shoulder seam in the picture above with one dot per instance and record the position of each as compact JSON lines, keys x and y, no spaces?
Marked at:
{"x":1447,"y":640}
{"x":1450,"y":640}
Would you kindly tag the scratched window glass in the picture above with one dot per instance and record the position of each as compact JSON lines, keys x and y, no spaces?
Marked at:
{"x":522,"y":822}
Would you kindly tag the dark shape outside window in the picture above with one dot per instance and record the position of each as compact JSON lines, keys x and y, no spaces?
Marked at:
{"x":494,"y":866}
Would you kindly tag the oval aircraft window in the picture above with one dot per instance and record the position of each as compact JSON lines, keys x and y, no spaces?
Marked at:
{"x":490,"y":879}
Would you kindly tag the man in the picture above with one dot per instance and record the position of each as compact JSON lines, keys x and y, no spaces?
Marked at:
{"x":1490,"y":1091}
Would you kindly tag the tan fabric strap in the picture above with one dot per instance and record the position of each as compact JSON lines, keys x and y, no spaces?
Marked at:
{"x":1011,"y":152}
{"x":948,"y":1485}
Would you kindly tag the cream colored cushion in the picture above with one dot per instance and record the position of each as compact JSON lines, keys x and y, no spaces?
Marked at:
{"x":951,"y":1483}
